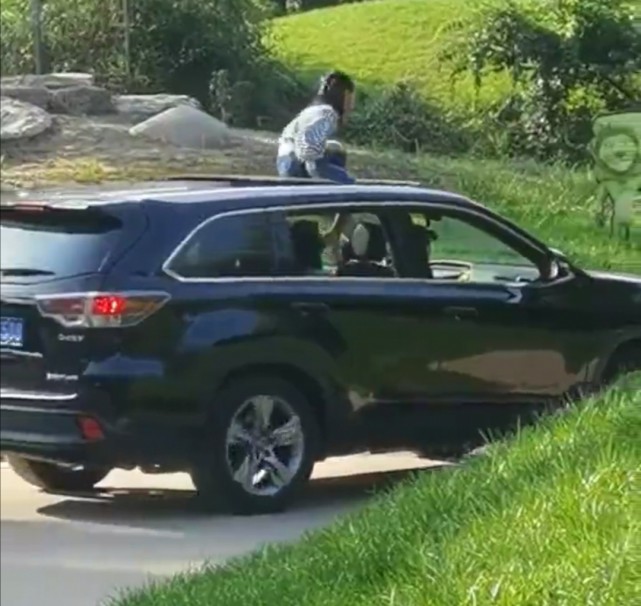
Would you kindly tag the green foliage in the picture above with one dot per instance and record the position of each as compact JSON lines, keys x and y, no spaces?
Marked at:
{"x":385,"y":42}
{"x":568,"y":59}
{"x":529,"y":74}
{"x":400,"y":118}
{"x":176,"y":45}
{"x":179,"y":44}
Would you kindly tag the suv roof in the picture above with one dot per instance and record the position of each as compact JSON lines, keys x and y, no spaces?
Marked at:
{"x":237,"y":191}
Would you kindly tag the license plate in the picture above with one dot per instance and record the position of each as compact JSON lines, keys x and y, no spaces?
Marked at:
{"x":11,"y":332}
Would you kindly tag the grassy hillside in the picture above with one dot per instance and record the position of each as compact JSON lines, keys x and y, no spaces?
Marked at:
{"x":383,"y":42}
{"x":548,"y":518}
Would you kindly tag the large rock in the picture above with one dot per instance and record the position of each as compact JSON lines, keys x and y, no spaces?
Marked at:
{"x":184,"y":126}
{"x":81,"y":101}
{"x":36,"y":95}
{"x":51,"y":81}
{"x":141,"y":107}
{"x":19,"y":120}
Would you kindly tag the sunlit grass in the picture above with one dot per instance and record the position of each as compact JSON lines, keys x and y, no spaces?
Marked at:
{"x":383,"y":42}
{"x":547,"y":518}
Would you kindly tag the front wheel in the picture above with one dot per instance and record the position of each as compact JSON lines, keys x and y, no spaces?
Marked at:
{"x":52,"y":477}
{"x":261,"y":447}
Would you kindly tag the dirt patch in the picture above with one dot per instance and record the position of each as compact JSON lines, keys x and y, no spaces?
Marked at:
{"x":100,"y":148}
{"x":108,"y":139}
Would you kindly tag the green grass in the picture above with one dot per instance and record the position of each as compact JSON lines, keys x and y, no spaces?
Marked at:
{"x":548,"y":518}
{"x":383,"y":42}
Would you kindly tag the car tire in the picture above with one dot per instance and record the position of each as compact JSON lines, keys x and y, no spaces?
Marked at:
{"x":235,"y":470}
{"x":52,"y":477}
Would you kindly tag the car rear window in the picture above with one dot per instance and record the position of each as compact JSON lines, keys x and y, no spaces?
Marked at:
{"x":44,"y":242}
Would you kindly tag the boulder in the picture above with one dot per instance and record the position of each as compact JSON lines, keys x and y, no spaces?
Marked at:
{"x":185,"y":126}
{"x":51,"y":81}
{"x":36,"y":95}
{"x":20,"y":120}
{"x":140,"y":107}
{"x":82,"y":100}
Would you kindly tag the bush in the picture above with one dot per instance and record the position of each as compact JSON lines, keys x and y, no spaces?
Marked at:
{"x":400,"y":118}
{"x":568,"y":60}
{"x":175,"y":45}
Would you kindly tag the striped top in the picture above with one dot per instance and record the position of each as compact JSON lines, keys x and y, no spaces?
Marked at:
{"x":306,"y":135}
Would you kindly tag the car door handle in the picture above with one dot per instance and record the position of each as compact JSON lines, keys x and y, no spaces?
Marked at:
{"x":461,"y":312}
{"x":308,"y":307}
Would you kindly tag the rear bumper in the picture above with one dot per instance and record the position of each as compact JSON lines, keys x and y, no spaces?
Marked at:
{"x":49,"y":434}
{"x":55,"y":430}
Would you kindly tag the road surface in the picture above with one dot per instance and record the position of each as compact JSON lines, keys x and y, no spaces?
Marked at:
{"x":68,"y":552}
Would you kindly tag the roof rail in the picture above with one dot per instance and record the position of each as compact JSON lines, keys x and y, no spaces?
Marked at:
{"x":264,"y":180}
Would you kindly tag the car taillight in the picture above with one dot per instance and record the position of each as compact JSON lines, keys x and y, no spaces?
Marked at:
{"x":101,"y":309}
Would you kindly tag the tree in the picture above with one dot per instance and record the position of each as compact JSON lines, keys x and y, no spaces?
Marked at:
{"x":568,"y":59}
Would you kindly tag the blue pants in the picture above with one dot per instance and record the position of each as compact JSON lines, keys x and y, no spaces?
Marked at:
{"x":324,"y":168}
{"x":290,"y":166}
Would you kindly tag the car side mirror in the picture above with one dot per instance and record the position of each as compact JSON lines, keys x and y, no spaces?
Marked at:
{"x":559,"y":266}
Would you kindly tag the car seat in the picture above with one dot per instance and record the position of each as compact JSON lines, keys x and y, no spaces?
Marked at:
{"x":369,"y":249}
{"x":307,"y":246}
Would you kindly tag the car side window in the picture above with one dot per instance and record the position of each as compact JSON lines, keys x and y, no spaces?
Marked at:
{"x":337,"y":243}
{"x":462,"y":251}
{"x":230,"y":246}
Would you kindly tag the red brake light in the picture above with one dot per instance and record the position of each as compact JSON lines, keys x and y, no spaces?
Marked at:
{"x":101,"y":310}
{"x":108,"y":305}
{"x":90,"y":429}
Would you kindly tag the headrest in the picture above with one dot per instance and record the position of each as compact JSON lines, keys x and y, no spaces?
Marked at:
{"x":360,"y":240}
{"x":368,"y":240}
{"x":306,"y":230}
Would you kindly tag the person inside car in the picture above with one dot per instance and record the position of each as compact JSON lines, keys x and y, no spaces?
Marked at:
{"x":303,"y":149}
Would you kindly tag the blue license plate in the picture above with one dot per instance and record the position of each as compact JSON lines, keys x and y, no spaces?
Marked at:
{"x":11,"y":332}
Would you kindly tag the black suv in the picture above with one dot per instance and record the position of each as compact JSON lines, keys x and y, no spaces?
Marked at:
{"x":242,"y":330}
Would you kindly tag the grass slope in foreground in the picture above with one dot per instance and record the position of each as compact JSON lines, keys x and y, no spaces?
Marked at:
{"x":383,"y":42}
{"x":550,"y":517}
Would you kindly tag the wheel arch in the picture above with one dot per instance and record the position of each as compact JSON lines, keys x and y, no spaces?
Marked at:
{"x":630,"y":347}
{"x":331,"y":413}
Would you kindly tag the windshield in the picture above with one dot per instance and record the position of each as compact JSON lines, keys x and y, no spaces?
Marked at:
{"x":43,"y":243}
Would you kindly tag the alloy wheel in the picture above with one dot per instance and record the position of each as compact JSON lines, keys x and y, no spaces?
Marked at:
{"x":264,"y":445}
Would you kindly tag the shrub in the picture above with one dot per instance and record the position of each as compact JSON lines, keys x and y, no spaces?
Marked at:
{"x":567,"y":59}
{"x":399,"y":117}
{"x":175,"y":45}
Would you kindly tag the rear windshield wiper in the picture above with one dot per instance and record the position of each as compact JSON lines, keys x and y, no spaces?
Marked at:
{"x":25,"y":271}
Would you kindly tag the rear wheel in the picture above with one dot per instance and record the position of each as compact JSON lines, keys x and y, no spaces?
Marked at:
{"x":50,"y":476}
{"x":261,"y":447}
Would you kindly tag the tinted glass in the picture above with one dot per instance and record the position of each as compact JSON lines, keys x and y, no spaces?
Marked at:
{"x":320,"y":244}
{"x":454,"y":249}
{"x":55,"y":243}
{"x":461,"y":241}
{"x":234,"y":246}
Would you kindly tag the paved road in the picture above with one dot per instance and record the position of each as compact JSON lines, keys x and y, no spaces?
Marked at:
{"x":76,"y":552}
